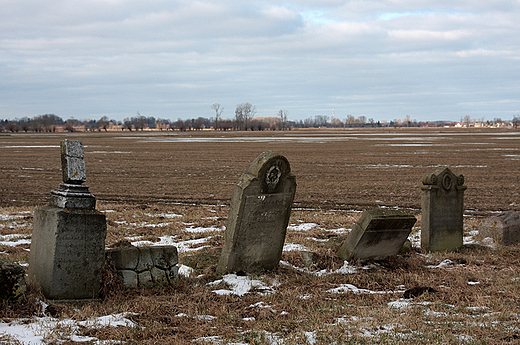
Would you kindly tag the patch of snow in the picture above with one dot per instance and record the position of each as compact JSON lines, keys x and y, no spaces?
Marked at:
{"x":339,"y":231}
{"x":444,"y":264}
{"x":240,"y":285}
{"x":182,"y":246}
{"x":205,"y":317}
{"x":302,"y":227}
{"x":165,"y":215}
{"x":351,"y":288}
{"x":404,"y":303}
{"x":200,"y":229}
{"x":26,"y":332}
{"x":291,"y":247}
{"x":14,"y":240}
{"x":185,"y":271}
{"x":311,"y":337}
{"x":473,"y":283}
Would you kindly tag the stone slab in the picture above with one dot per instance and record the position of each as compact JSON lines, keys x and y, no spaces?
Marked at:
{"x":504,"y":228}
{"x":72,"y":161}
{"x":258,"y":216}
{"x":378,"y":234}
{"x":67,"y":252}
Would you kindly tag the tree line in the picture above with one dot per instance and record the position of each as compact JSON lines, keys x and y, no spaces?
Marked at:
{"x":244,"y":119}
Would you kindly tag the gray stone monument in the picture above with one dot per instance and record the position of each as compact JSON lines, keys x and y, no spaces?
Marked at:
{"x":377,"y":234}
{"x":442,"y":210}
{"x":504,"y":228}
{"x":68,"y":240}
{"x":259,"y":215}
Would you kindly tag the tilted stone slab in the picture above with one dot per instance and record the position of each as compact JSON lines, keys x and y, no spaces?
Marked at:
{"x":504,"y":228}
{"x":442,"y":216}
{"x":377,"y":234}
{"x":258,"y":216}
{"x":72,"y":161}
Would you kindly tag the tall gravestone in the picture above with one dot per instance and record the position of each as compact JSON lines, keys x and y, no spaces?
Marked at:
{"x":442,"y":210}
{"x":68,"y":240}
{"x":377,"y":234}
{"x":259,"y":215}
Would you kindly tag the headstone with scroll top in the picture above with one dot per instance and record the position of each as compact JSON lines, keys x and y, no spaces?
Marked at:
{"x":442,"y":210}
{"x":258,"y":216}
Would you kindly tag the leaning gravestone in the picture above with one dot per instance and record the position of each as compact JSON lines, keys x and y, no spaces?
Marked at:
{"x":259,"y":215}
{"x":68,"y":240}
{"x":377,"y":234}
{"x":504,"y":228}
{"x":442,"y":210}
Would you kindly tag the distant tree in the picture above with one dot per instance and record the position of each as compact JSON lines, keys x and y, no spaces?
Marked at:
{"x":282,"y":113}
{"x":243,"y":113}
{"x":516,"y":121}
{"x":11,"y":127}
{"x":68,"y":127}
{"x":128,"y":124}
{"x":218,"y":113}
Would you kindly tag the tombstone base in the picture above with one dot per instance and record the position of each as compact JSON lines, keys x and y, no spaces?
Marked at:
{"x":67,"y":252}
{"x":73,"y":196}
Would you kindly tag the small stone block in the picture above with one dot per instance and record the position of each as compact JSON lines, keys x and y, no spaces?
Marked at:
{"x":164,"y":257}
{"x":145,"y":259}
{"x":159,"y":276}
{"x":503,"y":228}
{"x":129,"y":278}
{"x":72,"y":148}
{"x":377,"y":234}
{"x":72,"y":162}
{"x":145,"y":279}
{"x":126,"y":258}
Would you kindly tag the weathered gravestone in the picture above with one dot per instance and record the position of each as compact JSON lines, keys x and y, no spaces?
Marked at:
{"x":442,"y":210}
{"x":504,"y":228}
{"x":68,"y":240}
{"x":259,"y":215}
{"x":377,"y":234}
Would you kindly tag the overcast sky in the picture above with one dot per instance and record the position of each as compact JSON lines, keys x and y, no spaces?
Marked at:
{"x":429,"y":59}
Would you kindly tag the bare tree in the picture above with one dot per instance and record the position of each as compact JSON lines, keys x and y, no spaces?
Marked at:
{"x":282,"y":113}
{"x":243,"y":113}
{"x":218,"y":113}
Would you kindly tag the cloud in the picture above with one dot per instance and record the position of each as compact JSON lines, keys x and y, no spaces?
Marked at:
{"x":174,"y":59}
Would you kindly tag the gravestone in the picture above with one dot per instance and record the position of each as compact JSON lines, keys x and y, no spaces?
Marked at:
{"x":258,"y":216}
{"x":504,"y":228}
{"x":442,"y":210}
{"x":68,"y":240}
{"x":377,"y":234}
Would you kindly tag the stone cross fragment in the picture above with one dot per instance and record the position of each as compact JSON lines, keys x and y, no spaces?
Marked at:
{"x":72,"y":162}
{"x":442,"y":210}
{"x":377,"y":234}
{"x":258,"y":216}
{"x":72,"y":193}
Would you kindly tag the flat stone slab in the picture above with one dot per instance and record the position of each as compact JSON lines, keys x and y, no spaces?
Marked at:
{"x":258,"y":216}
{"x":377,"y":234}
{"x":72,"y":161}
{"x":503,"y":228}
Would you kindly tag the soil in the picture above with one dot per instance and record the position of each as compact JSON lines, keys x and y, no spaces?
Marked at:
{"x":335,"y":169}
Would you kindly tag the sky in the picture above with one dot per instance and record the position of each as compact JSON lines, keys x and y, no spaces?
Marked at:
{"x":428,"y":59}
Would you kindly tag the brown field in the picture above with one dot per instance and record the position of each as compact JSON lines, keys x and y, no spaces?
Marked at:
{"x":138,"y":178}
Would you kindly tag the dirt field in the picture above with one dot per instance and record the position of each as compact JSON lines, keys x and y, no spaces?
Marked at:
{"x":352,"y":169}
{"x":175,"y":188}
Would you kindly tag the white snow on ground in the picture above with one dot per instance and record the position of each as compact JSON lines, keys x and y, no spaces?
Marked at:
{"x":290,"y":247}
{"x":165,"y":215}
{"x":199,"y":229}
{"x":33,"y":331}
{"x":240,"y":285}
{"x":351,"y":288}
{"x":185,"y":271}
{"x":302,"y":227}
{"x":182,"y":246}
{"x":345,"y":269}
{"x":14,"y":240}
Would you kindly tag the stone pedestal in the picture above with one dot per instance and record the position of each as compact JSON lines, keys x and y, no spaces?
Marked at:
{"x":258,"y":216}
{"x":442,"y":211}
{"x":67,"y":252}
{"x":68,"y":239}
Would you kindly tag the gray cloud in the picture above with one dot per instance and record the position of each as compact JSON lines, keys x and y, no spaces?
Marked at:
{"x":171,"y":59}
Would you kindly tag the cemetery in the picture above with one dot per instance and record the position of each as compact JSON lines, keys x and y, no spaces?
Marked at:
{"x":308,"y":238}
